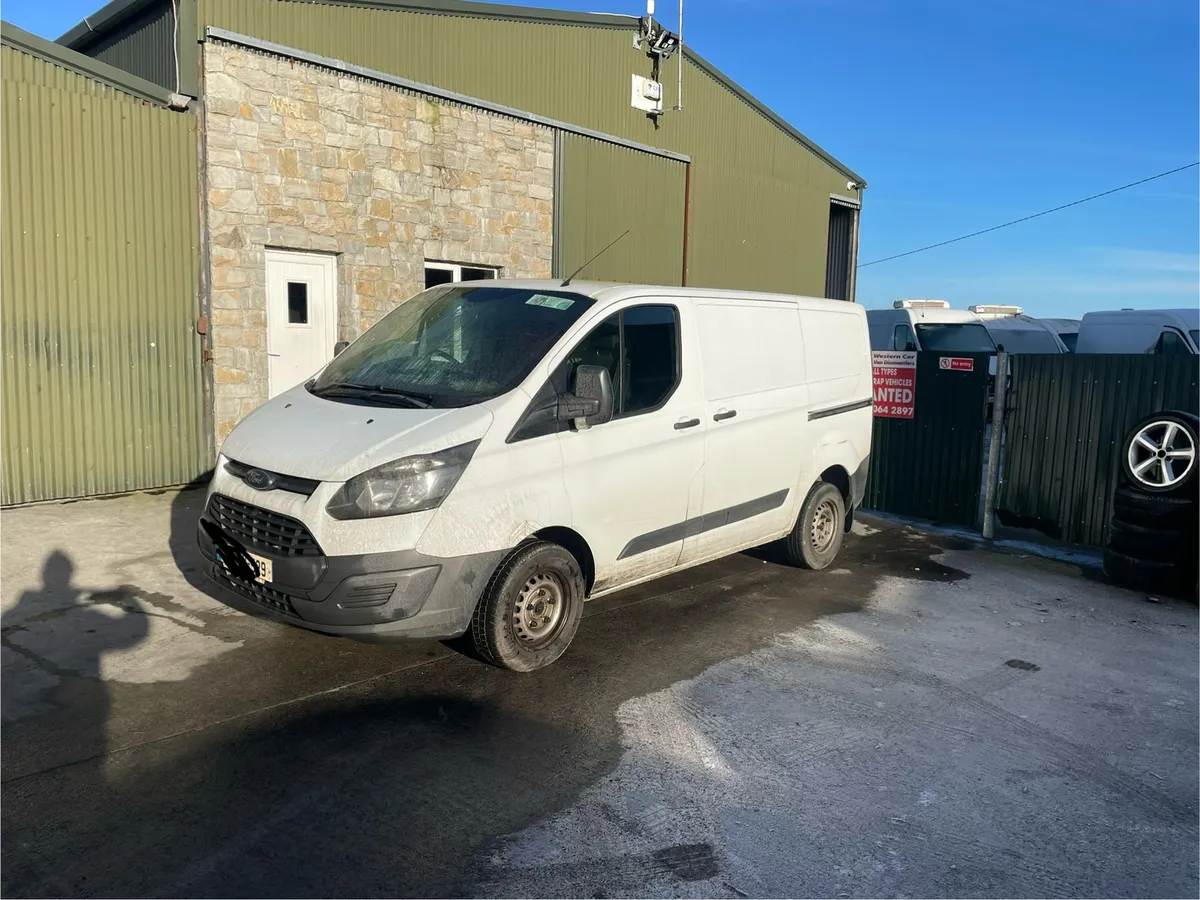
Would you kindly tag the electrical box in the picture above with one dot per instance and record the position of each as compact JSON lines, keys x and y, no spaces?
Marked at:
{"x":646,"y":95}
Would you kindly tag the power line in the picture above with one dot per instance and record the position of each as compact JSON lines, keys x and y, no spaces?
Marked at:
{"x":1027,"y":218}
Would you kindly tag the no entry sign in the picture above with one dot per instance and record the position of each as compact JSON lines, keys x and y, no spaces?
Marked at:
{"x":956,"y":363}
{"x":895,"y":377}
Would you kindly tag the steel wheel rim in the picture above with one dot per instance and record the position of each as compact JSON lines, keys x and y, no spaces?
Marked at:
{"x":824,"y":526}
{"x":539,"y":610}
{"x":1161,"y":454}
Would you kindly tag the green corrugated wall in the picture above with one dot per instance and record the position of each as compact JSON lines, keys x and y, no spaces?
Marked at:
{"x":143,"y":45}
{"x":1064,"y":427}
{"x":607,"y":189}
{"x":98,"y":288}
{"x":760,"y":199}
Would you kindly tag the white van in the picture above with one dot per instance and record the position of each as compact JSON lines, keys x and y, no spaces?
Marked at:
{"x":928,"y":325}
{"x":1161,"y":331}
{"x":490,"y":454}
{"x":1015,"y":332}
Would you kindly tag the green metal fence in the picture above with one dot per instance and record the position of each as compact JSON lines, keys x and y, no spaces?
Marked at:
{"x":931,"y":466}
{"x":98,"y":280}
{"x":1066,"y":419}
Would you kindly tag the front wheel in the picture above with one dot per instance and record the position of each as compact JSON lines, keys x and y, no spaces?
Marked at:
{"x":817,"y":535}
{"x":531,"y":608}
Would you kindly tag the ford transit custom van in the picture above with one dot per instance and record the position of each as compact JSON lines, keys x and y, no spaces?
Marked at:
{"x":490,"y":455}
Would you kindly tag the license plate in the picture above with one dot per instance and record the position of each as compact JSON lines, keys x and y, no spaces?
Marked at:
{"x":263,"y":567}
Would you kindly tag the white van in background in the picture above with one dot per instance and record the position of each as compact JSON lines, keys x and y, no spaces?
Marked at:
{"x":1161,"y":331}
{"x":1015,"y":332}
{"x":928,"y":325}
{"x":490,"y":454}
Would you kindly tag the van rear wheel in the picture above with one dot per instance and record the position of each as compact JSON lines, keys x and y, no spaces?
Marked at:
{"x":531,"y":608}
{"x":817,"y":535}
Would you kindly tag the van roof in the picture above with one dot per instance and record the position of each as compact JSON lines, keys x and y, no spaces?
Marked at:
{"x":1019,"y":323}
{"x":925,"y":314}
{"x":1189,"y":315}
{"x":1062,"y":325}
{"x":610,"y":292}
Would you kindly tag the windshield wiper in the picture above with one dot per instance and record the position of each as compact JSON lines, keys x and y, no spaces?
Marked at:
{"x":409,"y":398}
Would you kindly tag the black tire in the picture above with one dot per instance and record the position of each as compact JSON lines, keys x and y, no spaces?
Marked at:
{"x":1146,"y":575}
{"x":1187,"y":439}
{"x":1163,"y":511}
{"x":499,"y":628}
{"x":816,"y":547}
{"x":1152,"y":544}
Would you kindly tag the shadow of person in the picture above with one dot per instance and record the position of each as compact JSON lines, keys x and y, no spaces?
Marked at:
{"x":56,"y":699}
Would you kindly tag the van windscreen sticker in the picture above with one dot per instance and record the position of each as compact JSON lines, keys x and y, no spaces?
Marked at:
{"x":551,"y":302}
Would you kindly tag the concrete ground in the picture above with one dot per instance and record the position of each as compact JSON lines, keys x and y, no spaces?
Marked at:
{"x":926,"y":719}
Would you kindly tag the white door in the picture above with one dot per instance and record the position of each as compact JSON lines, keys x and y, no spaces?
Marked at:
{"x":632,"y":481}
{"x":755,"y":411}
{"x":301,"y":316}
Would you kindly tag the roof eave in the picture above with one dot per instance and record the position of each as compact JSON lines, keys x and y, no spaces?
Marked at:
{"x":100,"y":22}
{"x":119,"y":79}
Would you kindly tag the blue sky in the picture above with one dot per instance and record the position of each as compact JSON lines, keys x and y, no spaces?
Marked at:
{"x":962,"y":115}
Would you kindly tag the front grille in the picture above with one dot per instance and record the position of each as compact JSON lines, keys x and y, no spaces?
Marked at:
{"x":280,"y":482}
{"x":262,"y":529}
{"x":259,"y":594}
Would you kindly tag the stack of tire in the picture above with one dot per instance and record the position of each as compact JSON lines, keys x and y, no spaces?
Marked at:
{"x":1155,"y":524}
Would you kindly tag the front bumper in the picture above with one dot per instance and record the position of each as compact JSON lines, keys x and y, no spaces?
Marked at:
{"x":397,"y":595}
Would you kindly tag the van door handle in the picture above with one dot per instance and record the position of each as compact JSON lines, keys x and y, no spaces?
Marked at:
{"x":686,"y":423}
{"x":723,"y":414}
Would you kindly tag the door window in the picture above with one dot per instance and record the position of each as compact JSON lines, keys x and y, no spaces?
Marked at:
{"x":297,"y":301}
{"x":903,"y":338}
{"x":649,"y":357}
{"x":640,"y":349}
{"x":1171,"y":343}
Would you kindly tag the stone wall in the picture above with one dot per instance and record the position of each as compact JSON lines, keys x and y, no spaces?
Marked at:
{"x":300,"y":157}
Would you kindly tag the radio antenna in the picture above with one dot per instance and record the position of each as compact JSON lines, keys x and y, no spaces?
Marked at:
{"x":567,"y":280}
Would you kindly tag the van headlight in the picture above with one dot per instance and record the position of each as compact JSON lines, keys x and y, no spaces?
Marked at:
{"x":407,"y":485}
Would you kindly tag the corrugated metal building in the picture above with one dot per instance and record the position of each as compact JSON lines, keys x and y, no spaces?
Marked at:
{"x":98,"y":279}
{"x":343,"y":155}
{"x":751,"y":174}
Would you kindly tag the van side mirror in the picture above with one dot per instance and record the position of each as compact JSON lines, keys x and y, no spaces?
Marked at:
{"x":591,"y":399}
{"x":340,"y":346}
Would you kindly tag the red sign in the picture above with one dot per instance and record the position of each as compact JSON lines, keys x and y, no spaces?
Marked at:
{"x":895,"y":378}
{"x":956,"y":363}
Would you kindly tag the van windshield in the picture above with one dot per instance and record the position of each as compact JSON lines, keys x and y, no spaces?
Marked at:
{"x":452,"y":345}
{"x":1026,"y":340}
{"x":1195,"y":333}
{"x":956,"y":337}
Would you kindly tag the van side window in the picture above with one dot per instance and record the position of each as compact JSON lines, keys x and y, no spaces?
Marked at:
{"x":903,"y":338}
{"x":639,"y":347}
{"x":650,"y":357}
{"x":1171,"y":343}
